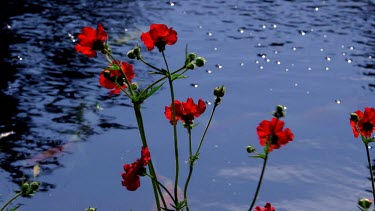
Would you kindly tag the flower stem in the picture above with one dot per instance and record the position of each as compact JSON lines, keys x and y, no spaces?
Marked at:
{"x":156,"y":187}
{"x":194,"y":157}
{"x":10,"y":201}
{"x":371,"y":172}
{"x":260,"y":181}
{"x":177,"y":168}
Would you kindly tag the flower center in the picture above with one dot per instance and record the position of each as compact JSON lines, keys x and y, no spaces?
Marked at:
{"x":98,"y":45}
{"x":367,"y":126}
{"x":274,"y":139}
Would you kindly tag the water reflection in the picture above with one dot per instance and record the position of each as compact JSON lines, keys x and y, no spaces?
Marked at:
{"x":51,"y":92}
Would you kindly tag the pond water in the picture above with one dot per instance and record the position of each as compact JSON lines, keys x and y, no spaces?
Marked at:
{"x":314,"y":57}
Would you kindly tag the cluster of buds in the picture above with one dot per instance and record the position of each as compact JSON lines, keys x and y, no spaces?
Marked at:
{"x":193,"y":61}
{"x":219,"y":93}
{"x":28,"y":189}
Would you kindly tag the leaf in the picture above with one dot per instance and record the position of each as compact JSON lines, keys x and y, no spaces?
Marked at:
{"x":258,"y":156}
{"x":178,"y":76}
{"x":152,"y":91}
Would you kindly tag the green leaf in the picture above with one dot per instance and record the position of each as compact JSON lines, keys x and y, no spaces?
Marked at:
{"x":144,"y":96}
{"x":178,"y":76}
{"x":258,"y":156}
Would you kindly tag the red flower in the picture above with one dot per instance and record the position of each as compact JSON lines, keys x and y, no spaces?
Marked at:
{"x":159,"y":35}
{"x":366,"y":123}
{"x":267,"y":207}
{"x":113,"y":74}
{"x":91,"y":40}
{"x":185,"y":111}
{"x":132,"y":172}
{"x":273,"y":131}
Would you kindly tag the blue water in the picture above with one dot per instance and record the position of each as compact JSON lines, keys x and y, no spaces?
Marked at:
{"x":314,"y":57}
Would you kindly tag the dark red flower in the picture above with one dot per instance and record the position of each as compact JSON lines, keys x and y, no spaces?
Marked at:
{"x":267,"y":207}
{"x":131,"y":177}
{"x":366,"y":123}
{"x":159,"y":35}
{"x":113,"y":73}
{"x":91,"y":40}
{"x":185,"y":111}
{"x":273,"y":131}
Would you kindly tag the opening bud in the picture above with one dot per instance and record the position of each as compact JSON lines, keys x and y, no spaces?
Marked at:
{"x":34,"y":186}
{"x":279,"y":112}
{"x":200,"y":61}
{"x":192,"y":56}
{"x":250,"y":149}
{"x":219,"y":91}
{"x":190,"y":66}
{"x":365,"y":203}
{"x":134,"y":85}
{"x":131,"y":54}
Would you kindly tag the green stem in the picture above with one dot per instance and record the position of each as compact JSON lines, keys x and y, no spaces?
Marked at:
{"x":259,"y":182}
{"x":193,"y":158}
{"x":153,"y":67}
{"x":156,"y":187}
{"x":10,"y":201}
{"x":371,"y":172}
{"x":166,"y":190}
{"x":177,"y":168}
{"x":191,"y":164}
{"x":205,"y":130}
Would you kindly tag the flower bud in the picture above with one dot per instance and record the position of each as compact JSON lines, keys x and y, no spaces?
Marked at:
{"x":250,"y":149}
{"x":199,"y":61}
{"x":365,"y":203}
{"x":90,"y":209}
{"x":354,"y":117}
{"x":25,"y":187}
{"x":134,"y":85}
{"x":192,"y":56}
{"x":219,"y":91}
{"x":131,"y":54}
{"x":34,"y":186}
{"x":137,"y":52}
{"x":279,"y":112}
{"x":190,"y":66}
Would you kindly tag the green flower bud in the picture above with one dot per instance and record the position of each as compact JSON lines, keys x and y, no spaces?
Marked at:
{"x":365,"y":203}
{"x":137,"y":52}
{"x":199,"y":61}
{"x":279,"y":112}
{"x":131,"y":54}
{"x":90,"y":209}
{"x":34,"y":186}
{"x":192,"y":56}
{"x":250,"y":149}
{"x":190,"y":66}
{"x":219,"y":91}
{"x":134,"y":85}
{"x":25,"y":187}
{"x":354,"y":117}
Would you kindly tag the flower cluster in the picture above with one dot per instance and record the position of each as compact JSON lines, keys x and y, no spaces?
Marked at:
{"x":363,"y":122}
{"x":272,"y":132}
{"x":132,"y":172}
{"x":185,"y":111}
{"x":267,"y":207}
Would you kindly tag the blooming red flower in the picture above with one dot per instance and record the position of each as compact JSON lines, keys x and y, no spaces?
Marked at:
{"x":273,"y":131}
{"x":366,"y":123}
{"x":267,"y":207}
{"x":159,"y":35}
{"x":185,"y":111}
{"x":113,"y":73}
{"x":91,"y":40}
{"x":130,"y":178}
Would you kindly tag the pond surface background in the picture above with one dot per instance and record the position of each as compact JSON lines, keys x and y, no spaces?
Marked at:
{"x":314,"y":57}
